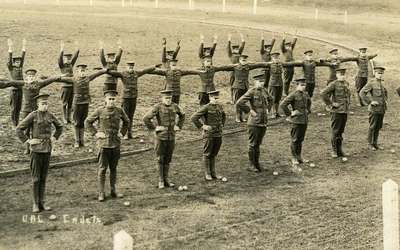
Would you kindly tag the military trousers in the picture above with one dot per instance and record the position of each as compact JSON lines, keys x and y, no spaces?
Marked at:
{"x":310,"y":86}
{"x":16,"y":105}
{"x":375,"y":125}
{"x":164,"y":150}
{"x":129,"y":106}
{"x":297,"y":134}
{"x":360,"y":83}
{"x":203,"y":98}
{"x":267,"y":74}
{"x":276,"y":93}
{"x":256,"y":135}
{"x":288,"y":73}
{"x":80,"y":114}
{"x":39,"y":166}
{"x":338,"y":124}
{"x":237,"y":93}
{"x":107,"y":158}
{"x":176,"y":98}
{"x":67,"y":96}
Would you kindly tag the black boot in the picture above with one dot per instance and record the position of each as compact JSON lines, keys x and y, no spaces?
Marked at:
{"x":252,"y":164}
{"x":101,"y":183}
{"x":257,"y":159}
{"x":42,"y":201}
{"x":161,"y":183}
{"x":81,"y":137}
{"x":207,"y":169}
{"x":35,"y":197}
{"x":334,"y":148}
{"x":166,"y":173}
{"x":212,"y":167}
{"x":76,"y":137}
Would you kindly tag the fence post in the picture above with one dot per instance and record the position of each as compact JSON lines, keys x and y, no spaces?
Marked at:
{"x":123,"y":3}
{"x":58,"y":2}
{"x":156,"y":4}
{"x":131,"y":3}
{"x":123,"y":241}
{"x":91,"y":2}
{"x":223,"y":6}
{"x":316,"y":14}
{"x":254,"y":7}
{"x":390,"y":206}
{"x":346,"y":20}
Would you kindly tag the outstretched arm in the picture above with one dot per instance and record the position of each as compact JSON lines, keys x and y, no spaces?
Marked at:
{"x":97,"y":74}
{"x":10,"y":83}
{"x":48,"y":81}
{"x":259,"y":65}
{"x":115,"y":73}
{"x":372,"y":56}
{"x":186,"y":72}
{"x":229,"y":67}
{"x":159,"y":72}
{"x":146,"y":70}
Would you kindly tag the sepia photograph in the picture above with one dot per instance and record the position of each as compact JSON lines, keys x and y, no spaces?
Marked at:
{"x":199,"y":124}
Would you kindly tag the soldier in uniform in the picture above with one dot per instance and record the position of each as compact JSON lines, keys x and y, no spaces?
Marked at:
{"x":110,"y":63}
{"x":169,"y":119}
{"x":265,"y":52}
{"x":40,"y":123}
{"x":362,"y":76}
{"x":234,"y":52}
{"x":207,"y":51}
{"x":80,"y":82}
{"x":211,"y":119}
{"x":241,"y":84}
{"x":66,"y":64}
{"x":15,"y":67}
{"x":300,"y":103}
{"x":168,"y":55}
{"x":31,"y":87}
{"x":309,"y":65}
{"x":337,"y":97}
{"x":108,"y":138}
{"x":173,"y":75}
{"x":287,"y":51}
{"x":260,"y":104}
{"x":129,"y":80}
{"x":334,"y":60}
{"x":374,"y":94}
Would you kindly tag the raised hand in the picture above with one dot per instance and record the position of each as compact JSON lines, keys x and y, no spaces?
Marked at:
{"x":215,"y":37}
{"x":23,"y":44}
{"x":241,"y":37}
{"x":10,"y":44}
{"x":201,"y":38}
{"x":101,"y":44}
{"x":178,"y":42}
{"x":62,"y":45}
{"x":229,"y":37}
{"x":119,"y":43}
{"x":164,"y":41}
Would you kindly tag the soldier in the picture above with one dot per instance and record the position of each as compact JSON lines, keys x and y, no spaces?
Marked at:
{"x":374,"y":94}
{"x":287,"y":51}
{"x":31,"y":87}
{"x":337,"y":97}
{"x":211,"y":119}
{"x":260,"y":104}
{"x":168,"y":55}
{"x":66,"y":64}
{"x":130,"y":82}
{"x":300,"y":103}
{"x":15,"y":67}
{"x":111,"y":63}
{"x":173,"y":75}
{"x":80,"y":82}
{"x":309,"y":65}
{"x":241,"y":84}
{"x":207,"y":73}
{"x":362,"y":76}
{"x":108,"y":140}
{"x":165,"y":117}
{"x":234,"y":52}
{"x":265,"y":53}
{"x":334,"y":60}
{"x":40,"y":123}
{"x":207,"y":51}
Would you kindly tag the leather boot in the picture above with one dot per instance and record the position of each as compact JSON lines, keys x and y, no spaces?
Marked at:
{"x":69,"y":112}
{"x":252,"y":165}
{"x":334,"y":153}
{"x":81,"y":137}
{"x":42,"y":190}
{"x":207,"y":168}
{"x":212,"y":167}
{"x":166,"y":173}
{"x":340,"y":149}
{"x":257,"y":159}
{"x":76,"y":137}
{"x":113,"y":181}
{"x":101,"y":184}
{"x":161,"y":183}
{"x":35,"y":197}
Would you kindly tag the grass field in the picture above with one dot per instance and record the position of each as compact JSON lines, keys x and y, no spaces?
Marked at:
{"x":332,"y":206}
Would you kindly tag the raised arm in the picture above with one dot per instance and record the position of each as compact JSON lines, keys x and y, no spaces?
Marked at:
{"x":164,"y":51}
{"x":201,"y":47}
{"x":294,"y":43}
{"x":61,"y":59}
{"x":229,"y":48}
{"x":75,"y":57}
{"x":119,"y":56}
{"x":283,"y":49}
{"x":97,"y":74}
{"x":213,"y":48}
{"x":10,"y":55}
{"x":91,"y":120}
{"x":241,"y":48}
{"x":103,"y":58}
{"x":262,"y":50}
{"x":23,"y":52}
{"x":272,"y":43}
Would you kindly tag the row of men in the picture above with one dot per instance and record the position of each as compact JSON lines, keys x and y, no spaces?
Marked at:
{"x":166,"y":118}
{"x":76,"y":93}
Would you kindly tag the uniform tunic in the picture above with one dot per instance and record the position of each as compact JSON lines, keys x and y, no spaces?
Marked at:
{"x":266,"y":57}
{"x":289,"y":71}
{"x":16,"y":73}
{"x":110,"y":82}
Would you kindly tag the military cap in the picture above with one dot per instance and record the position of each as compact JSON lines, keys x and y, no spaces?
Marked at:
{"x":362,"y":49}
{"x":213,"y":93}
{"x":288,"y":43}
{"x":130,"y":63}
{"x":110,"y":54}
{"x":332,"y":51}
{"x":206,"y":57}
{"x":244,"y":56}
{"x":341,"y":69}
{"x":31,"y":71}
{"x":110,"y":92}
{"x":310,"y":51}
{"x":379,"y":68}
{"x":17,"y":58}
{"x":275,"y":54}
{"x":170,"y":54}
{"x":235,"y":46}
{"x":68,"y":55}
{"x":207,"y":49}
{"x":267,"y":46}
{"x":97,"y":68}
{"x":172,"y":60}
{"x":259,"y":77}
{"x":44,"y":96}
{"x":299,"y":80}
{"x":166,"y":92}
{"x":81,"y":66}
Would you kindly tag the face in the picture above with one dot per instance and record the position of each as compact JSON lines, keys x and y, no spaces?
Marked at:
{"x":379,"y":75}
{"x":43,"y":105}
{"x":301,"y":86}
{"x":67,"y":59}
{"x":288,"y":47}
{"x":81,"y":72}
{"x":258,"y":84}
{"x":173,"y":65}
{"x":17,"y":63}
{"x":167,"y":100}
{"x":267,"y":49}
{"x":340,"y":76}
{"x":30,"y":78}
{"x":110,"y":101}
{"x":214,"y":99}
{"x":363,"y":52}
{"x":309,"y":56}
{"x":110,"y":59}
{"x":242,"y":60}
{"x":275,"y":59}
{"x":334,"y":55}
{"x":131,"y":68}
{"x":207,"y":63}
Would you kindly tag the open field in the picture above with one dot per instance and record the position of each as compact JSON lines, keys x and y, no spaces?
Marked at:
{"x":333,"y":206}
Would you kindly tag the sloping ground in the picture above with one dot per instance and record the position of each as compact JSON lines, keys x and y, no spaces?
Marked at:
{"x":334,"y":205}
